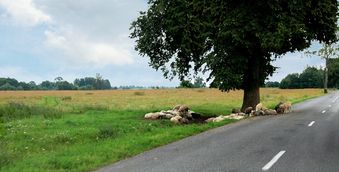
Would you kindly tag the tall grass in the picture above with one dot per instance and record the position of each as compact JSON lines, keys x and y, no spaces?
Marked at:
{"x":18,"y":110}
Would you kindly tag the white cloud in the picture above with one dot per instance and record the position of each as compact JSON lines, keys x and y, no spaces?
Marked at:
{"x":78,"y":49}
{"x":18,"y":73}
{"x":86,"y":33}
{"x":24,"y":12}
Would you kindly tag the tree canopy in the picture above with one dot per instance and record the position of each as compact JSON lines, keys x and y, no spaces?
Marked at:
{"x":333,"y":73}
{"x":87,"y":83}
{"x":311,"y":77}
{"x":198,"y":83}
{"x":273,"y":84}
{"x":235,"y":41}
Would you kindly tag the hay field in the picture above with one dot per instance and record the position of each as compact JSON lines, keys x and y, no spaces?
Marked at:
{"x":197,"y":99}
{"x":84,"y":130}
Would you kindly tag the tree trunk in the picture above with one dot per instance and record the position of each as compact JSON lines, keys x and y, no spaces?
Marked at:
{"x":326,"y":75}
{"x":251,"y":98}
{"x":251,"y":84}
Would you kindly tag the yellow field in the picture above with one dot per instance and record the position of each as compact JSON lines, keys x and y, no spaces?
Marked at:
{"x":155,"y":99}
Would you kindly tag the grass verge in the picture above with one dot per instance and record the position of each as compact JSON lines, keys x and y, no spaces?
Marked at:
{"x":48,"y":132}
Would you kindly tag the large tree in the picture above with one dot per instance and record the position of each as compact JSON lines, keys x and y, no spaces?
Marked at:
{"x":235,"y":41}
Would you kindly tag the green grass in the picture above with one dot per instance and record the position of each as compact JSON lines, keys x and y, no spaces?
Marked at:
{"x":83,"y":142}
{"x":75,"y":132}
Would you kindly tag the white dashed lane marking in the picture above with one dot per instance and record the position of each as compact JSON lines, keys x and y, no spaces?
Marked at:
{"x":273,"y":161}
{"x":311,"y":123}
{"x":323,"y":111}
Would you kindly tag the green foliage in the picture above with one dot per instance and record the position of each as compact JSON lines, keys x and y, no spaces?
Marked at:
{"x":186,"y":84}
{"x":64,"y":85}
{"x":311,"y":77}
{"x":199,"y":83}
{"x":47,"y":85}
{"x":87,"y":83}
{"x":90,"y":83}
{"x":64,"y":144}
{"x":13,"y":84}
{"x":290,"y":81}
{"x":274,"y":84}
{"x":235,"y":40}
{"x":7,"y":86}
{"x":333,"y":73}
{"x":10,"y":81}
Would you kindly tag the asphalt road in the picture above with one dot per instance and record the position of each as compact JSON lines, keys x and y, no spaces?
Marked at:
{"x":306,"y":140}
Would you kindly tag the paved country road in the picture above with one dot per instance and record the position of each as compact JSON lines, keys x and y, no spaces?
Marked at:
{"x":306,"y":140}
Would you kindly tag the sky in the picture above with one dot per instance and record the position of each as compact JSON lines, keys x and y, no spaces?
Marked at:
{"x":43,"y":39}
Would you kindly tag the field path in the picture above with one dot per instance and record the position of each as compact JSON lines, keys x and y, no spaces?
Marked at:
{"x":306,"y":140}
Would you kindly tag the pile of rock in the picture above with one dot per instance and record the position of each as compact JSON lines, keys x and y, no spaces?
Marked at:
{"x":179,"y":114}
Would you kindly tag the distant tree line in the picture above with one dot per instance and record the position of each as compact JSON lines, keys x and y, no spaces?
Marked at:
{"x":87,"y":83}
{"x":311,"y":77}
{"x":198,"y":83}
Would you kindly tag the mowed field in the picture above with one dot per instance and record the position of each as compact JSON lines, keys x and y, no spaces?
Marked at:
{"x":84,"y":130}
